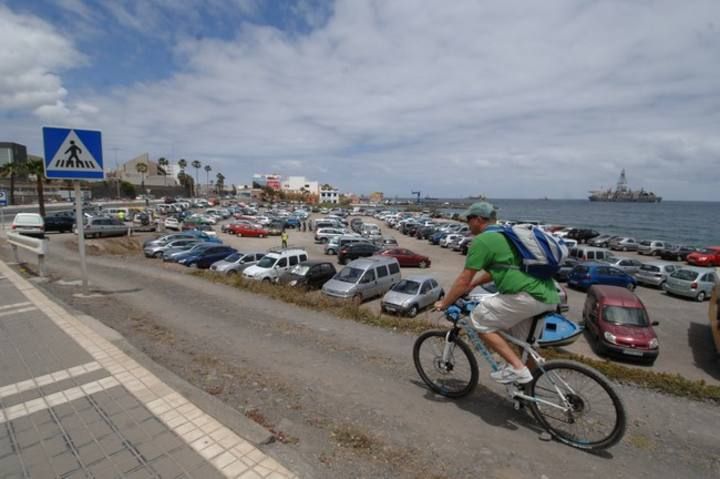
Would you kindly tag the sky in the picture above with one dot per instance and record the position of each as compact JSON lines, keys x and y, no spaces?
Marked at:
{"x":510,"y":99}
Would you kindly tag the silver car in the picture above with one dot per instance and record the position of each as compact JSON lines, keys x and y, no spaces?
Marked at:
{"x":655,"y":273}
{"x":629,"y":265}
{"x":623,"y":244}
{"x":236,"y":263}
{"x":691,"y":282}
{"x":157,"y":250}
{"x":411,"y":295}
{"x":652,"y":247}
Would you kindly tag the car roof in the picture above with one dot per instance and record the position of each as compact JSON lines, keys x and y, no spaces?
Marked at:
{"x":698,"y":269}
{"x":314,"y":262}
{"x":616,"y":296}
{"x":419,"y":278}
{"x":658,"y":263}
{"x":373,"y":261}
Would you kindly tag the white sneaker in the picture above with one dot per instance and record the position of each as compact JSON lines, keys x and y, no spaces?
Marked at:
{"x":509,"y":374}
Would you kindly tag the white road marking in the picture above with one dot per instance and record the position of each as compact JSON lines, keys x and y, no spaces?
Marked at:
{"x":17,"y":311}
{"x":34,"y":383}
{"x":229,"y":453}
{"x":16,"y":305}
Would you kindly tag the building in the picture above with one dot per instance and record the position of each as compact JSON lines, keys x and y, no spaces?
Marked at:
{"x":328,"y":194}
{"x":267,"y":181}
{"x":377,"y":197}
{"x":155,"y":175}
{"x":12,"y":153}
{"x":299,"y":184}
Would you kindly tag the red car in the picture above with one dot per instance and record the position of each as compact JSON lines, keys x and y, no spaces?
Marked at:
{"x":247,"y":230}
{"x":705,"y":257}
{"x":406,"y":257}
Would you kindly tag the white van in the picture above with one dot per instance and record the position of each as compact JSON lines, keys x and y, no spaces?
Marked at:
{"x":364,"y":278}
{"x":275,"y":263}
{"x":29,"y":224}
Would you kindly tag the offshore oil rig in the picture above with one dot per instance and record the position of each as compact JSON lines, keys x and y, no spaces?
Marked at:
{"x":623,"y":194}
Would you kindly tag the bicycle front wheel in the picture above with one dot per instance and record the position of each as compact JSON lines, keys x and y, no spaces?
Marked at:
{"x":455,"y":377}
{"x":577,"y":405}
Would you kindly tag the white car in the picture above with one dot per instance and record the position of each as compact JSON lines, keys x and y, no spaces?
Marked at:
{"x":29,"y":224}
{"x":274,"y":264}
{"x":172,"y":223}
{"x":445,"y":242}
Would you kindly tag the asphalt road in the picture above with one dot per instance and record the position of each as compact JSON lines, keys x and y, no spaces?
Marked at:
{"x":346,"y":398}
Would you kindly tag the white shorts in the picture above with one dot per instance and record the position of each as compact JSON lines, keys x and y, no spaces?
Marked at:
{"x":508,"y":312}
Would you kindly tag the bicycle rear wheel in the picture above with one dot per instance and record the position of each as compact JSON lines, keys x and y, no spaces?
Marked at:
{"x":595,"y":416}
{"x":453,"y":378}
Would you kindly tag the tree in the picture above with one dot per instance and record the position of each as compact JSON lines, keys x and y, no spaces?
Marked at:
{"x":186,"y":182}
{"x":11,"y":170}
{"x":127,"y":189}
{"x":142,"y":168}
{"x":163,"y":163}
{"x":196,"y":164}
{"x":208,"y":169}
{"x":220,"y":183}
{"x":36,"y":167}
{"x":182,"y":163}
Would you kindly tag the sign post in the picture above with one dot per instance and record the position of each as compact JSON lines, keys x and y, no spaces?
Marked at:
{"x":75,"y":155}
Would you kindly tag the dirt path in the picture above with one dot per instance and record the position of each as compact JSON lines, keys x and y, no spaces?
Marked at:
{"x":346,"y":397}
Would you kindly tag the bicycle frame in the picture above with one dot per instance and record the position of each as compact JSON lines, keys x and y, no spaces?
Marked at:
{"x":527,"y":351}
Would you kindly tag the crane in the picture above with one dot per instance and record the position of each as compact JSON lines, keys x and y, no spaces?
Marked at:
{"x":417,"y":196}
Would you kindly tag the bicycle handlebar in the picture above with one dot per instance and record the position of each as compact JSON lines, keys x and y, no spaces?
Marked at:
{"x":461,"y":308}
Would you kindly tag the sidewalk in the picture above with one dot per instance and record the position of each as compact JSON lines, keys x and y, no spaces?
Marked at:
{"x":74,"y":405}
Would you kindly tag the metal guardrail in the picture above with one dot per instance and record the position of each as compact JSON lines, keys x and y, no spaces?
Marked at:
{"x":34,"y":245}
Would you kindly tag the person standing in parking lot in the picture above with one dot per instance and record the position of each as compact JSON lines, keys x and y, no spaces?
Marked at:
{"x":284,"y":239}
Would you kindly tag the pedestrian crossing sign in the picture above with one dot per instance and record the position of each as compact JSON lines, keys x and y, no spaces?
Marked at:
{"x":73,"y":154}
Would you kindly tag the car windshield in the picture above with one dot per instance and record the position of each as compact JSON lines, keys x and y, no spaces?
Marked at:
{"x":233,"y":257}
{"x":267,"y":262}
{"x":349,"y":275}
{"x":407,"y":286}
{"x":300,"y":269}
{"x":625,"y":316}
{"x":686,"y":274}
{"x":649,"y":267}
{"x":200,"y":247}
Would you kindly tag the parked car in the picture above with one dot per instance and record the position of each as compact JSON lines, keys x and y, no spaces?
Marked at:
{"x":59,"y":223}
{"x":206,"y":257}
{"x":29,"y":224}
{"x":448,"y":239}
{"x":250,"y":230}
{"x":309,"y":274}
{"x":275,"y":263}
{"x":157,"y":250}
{"x":98,"y":226}
{"x":364,"y":278}
{"x":705,"y":257}
{"x":385,"y":242}
{"x":174,"y":255}
{"x":629,"y":265}
{"x":691,"y":282}
{"x":172,"y":223}
{"x":585,"y":275}
{"x":236,"y":263}
{"x":677,"y":252}
{"x":565,"y":268}
{"x":337,"y":242}
{"x":323,"y":235}
{"x":655,"y":273}
{"x":602,"y":241}
{"x":184,"y":235}
{"x":356,"y":250}
{"x":652,"y":247}
{"x":406,"y":257}
{"x":411,"y":295}
{"x":624,"y":243}
{"x":618,"y":323}
{"x":581,"y":235}
{"x":589,"y":253}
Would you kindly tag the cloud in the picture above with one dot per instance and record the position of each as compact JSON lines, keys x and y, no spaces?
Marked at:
{"x":511,"y":99}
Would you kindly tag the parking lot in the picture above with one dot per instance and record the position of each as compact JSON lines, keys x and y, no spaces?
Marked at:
{"x":686,"y":345}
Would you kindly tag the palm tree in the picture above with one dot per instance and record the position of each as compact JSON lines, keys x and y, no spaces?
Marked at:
{"x":11,"y":170}
{"x":182,"y":163}
{"x":208,"y":169}
{"x":196,"y":164}
{"x":36,"y":167}
{"x":142,"y":168}
{"x":163,"y":162}
{"x":220,"y":183}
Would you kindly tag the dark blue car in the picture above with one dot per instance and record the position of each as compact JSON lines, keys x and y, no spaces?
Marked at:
{"x":204,"y":257}
{"x":585,"y":275}
{"x":436,"y":237}
{"x":292,"y":222}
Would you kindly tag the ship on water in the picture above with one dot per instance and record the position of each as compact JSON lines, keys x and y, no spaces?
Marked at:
{"x":623,"y":194}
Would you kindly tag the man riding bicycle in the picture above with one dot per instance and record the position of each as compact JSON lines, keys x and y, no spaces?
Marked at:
{"x":520,"y":295}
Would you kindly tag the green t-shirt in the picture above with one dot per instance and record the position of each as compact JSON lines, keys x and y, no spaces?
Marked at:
{"x":492,"y":248}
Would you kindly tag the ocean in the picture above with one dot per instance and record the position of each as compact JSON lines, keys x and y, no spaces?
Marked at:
{"x":680,"y":222}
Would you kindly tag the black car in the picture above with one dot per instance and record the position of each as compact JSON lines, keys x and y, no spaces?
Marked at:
{"x":356,"y":250}
{"x":582,"y":235}
{"x":676,"y":253}
{"x":59,"y":223}
{"x":425,"y":232}
{"x":309,"y":274}
{"x":562,"y":275}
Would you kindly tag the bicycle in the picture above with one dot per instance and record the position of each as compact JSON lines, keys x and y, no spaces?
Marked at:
{"x":572,"y":414}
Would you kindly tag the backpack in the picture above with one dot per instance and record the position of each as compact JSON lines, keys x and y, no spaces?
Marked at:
{"x":541,"y":254}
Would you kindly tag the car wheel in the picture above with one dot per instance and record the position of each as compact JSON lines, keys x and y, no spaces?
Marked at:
{"x":679,"y":258}
{"x":239,"y":235}
{"x":193,"y":265}
{"x":157,"y":255}
{"x":343,"y":261}
{"x":266,"y":280}
{"x":700,"y":297}
{"x":654,"y":253}
{"x":324,"y":240}
{"x":630,"y":287}
{"x":423,"y":264}
{"x":624,"y":249}
{"x":413,"y":311}
{"x":262,"y":236}
{"x":357,"y":299}
{"x":232,"y":272}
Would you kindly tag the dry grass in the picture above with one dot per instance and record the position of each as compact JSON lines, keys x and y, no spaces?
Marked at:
{"x":120,"y":246}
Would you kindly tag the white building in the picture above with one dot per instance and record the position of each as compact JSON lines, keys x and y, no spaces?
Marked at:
{"x":329,"y":195}
{"x":298,"y":184}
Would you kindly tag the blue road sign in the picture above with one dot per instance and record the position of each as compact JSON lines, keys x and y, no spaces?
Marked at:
{"x":3,"y":198}
{"x":73,"y":154}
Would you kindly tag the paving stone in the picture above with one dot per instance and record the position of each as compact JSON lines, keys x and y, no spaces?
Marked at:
{"x":165,"y":467}
{"x":91,"y":453}
{"x":64,"y":463}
